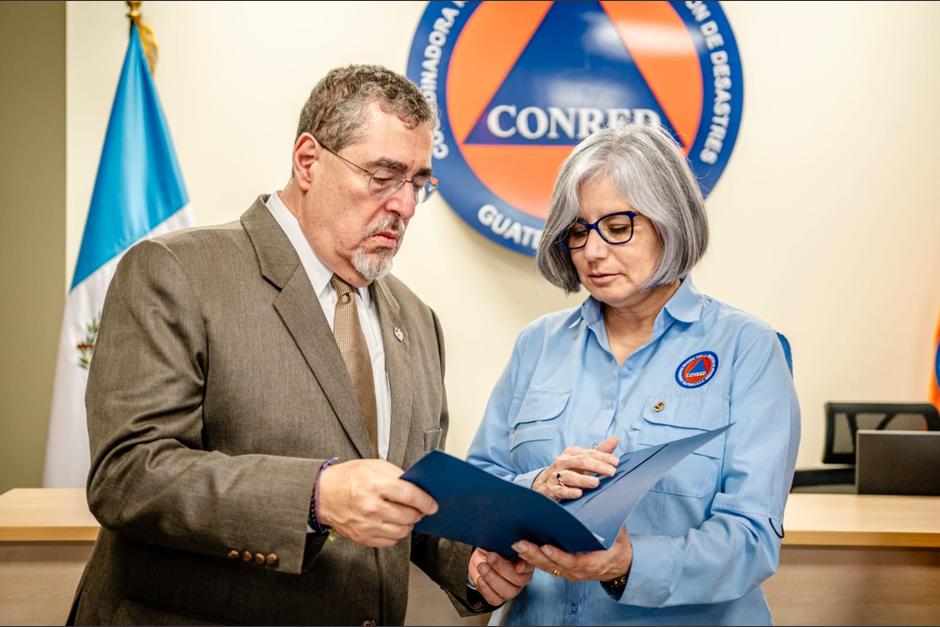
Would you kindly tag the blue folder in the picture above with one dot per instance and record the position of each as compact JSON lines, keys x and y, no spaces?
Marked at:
{"x":480,"y":509}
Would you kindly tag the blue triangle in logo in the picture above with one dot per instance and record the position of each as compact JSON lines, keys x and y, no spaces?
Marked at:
{"x":574,"y":77}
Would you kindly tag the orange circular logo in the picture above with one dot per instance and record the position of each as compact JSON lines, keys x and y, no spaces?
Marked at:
{"x":518,"y":84}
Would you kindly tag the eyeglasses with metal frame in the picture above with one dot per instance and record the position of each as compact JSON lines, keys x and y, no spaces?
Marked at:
{"x":614,"y":228}
{"x":384,"y":182}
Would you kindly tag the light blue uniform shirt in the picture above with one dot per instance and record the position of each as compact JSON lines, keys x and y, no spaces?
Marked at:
{"x":708,"y":533}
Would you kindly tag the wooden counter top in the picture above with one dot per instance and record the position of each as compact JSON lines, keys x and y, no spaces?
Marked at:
{"x":862,"y":520}
{"x":61,"y":515}
{"x":46,"y":515}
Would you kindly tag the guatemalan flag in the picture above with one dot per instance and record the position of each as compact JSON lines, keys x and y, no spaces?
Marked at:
{"x":139,"y":193}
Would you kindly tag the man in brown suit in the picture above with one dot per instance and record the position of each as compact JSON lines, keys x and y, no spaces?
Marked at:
{"x":258,"y":386}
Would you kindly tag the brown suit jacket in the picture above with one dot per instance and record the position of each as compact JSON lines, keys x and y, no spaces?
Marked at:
{"x":215,"y":393}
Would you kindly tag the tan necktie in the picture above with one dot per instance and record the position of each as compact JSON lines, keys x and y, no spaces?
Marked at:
{"x":352,"y":345}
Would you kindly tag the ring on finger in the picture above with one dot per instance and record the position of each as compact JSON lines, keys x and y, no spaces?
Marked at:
{"x":559,"y":479}
{"x":555,"y":573}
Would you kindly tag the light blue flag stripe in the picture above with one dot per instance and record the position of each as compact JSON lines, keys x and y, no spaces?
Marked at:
{"x":139,"y":184}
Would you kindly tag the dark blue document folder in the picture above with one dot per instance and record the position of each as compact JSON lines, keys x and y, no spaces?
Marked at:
{"x":480,"y":509}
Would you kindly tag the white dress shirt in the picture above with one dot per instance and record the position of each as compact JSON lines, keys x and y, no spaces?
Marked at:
{"x":320,"y":275}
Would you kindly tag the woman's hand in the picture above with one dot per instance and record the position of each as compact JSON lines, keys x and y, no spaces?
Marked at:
{"x":599,"y":565}
{"x":575,"y":470}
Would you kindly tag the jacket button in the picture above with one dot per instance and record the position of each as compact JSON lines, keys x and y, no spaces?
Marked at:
{"x":271,"y":560}
{"x":661,"y":405}
{"x":233,"y":554}
{"x":259,"y":559}
{"x":246,"y":556}
{"x":369,"y":622}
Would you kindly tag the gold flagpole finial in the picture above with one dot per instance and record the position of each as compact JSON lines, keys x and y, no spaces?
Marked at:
{"x":147,"y":39}
{"x":135,"y":11}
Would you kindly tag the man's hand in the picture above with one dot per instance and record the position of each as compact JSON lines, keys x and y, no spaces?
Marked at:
{"x":576,"y":470}
{"x":364,"y":500}
{"x":599,"y":565}
{"x":496,"y":578}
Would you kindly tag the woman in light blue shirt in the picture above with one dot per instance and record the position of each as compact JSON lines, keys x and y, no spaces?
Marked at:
{"x":644,"y":360}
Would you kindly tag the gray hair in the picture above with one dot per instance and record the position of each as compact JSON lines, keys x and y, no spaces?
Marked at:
{"x":335,"y":111}
{"x":651,"y":172}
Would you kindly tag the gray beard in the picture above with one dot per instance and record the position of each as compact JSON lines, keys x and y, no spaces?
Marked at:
{"x":373,"y":266}
{"x":376,"y":265}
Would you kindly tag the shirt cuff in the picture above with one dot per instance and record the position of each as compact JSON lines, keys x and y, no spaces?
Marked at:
{"x":526,"y":479}
{"x":652,"y":571}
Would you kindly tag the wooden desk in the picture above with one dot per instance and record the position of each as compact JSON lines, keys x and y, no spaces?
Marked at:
{"x":46,"y":536}
{"x":858,"y":559}
{"x":847,"y":559}
{"x":861,"y":520}
{"x":46,"y":515}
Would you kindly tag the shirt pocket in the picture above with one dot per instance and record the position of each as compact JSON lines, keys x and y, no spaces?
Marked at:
{"x":534,"y":430}
{"x":671,"y":418}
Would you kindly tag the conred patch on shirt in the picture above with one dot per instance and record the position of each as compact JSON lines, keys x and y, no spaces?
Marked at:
{"x":697,"y":370}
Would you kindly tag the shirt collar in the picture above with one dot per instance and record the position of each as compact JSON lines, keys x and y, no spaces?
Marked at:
{"x":317,"y":271}
{"x":591,"y":311}
{"x":685,"y":305}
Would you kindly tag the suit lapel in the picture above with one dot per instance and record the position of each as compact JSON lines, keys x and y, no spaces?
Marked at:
{"x":300,"y":311}
{"x":397,"y":344}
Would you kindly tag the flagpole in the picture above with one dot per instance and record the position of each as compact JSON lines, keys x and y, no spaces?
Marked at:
{"x":147,"y":38}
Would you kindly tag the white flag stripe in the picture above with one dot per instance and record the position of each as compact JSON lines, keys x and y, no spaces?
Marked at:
{"x":67,"y":456}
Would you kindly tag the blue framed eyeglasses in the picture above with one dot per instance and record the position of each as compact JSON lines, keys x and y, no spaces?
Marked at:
{"x":614,"y":228}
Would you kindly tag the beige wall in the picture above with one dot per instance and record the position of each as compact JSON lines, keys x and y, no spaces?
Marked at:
{"x":825,"y":222}
{"x":32,"y":228}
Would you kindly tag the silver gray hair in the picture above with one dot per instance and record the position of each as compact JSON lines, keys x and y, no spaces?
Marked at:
{"x":651,"y":173}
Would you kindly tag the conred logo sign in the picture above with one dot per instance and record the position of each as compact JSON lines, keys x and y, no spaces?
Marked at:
{"x":518,"y":84}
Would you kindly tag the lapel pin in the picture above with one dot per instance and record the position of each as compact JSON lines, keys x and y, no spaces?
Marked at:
{"x":399,"y":335}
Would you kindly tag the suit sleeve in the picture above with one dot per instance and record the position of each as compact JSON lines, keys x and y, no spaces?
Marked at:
{"x":444,"y":561}
{"x":151,"y":477}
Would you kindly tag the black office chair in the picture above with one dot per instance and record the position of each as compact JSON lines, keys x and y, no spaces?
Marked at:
{"x":843,"y":420}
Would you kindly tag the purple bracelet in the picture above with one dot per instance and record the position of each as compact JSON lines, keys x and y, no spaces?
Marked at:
{"x":314,"y":518}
